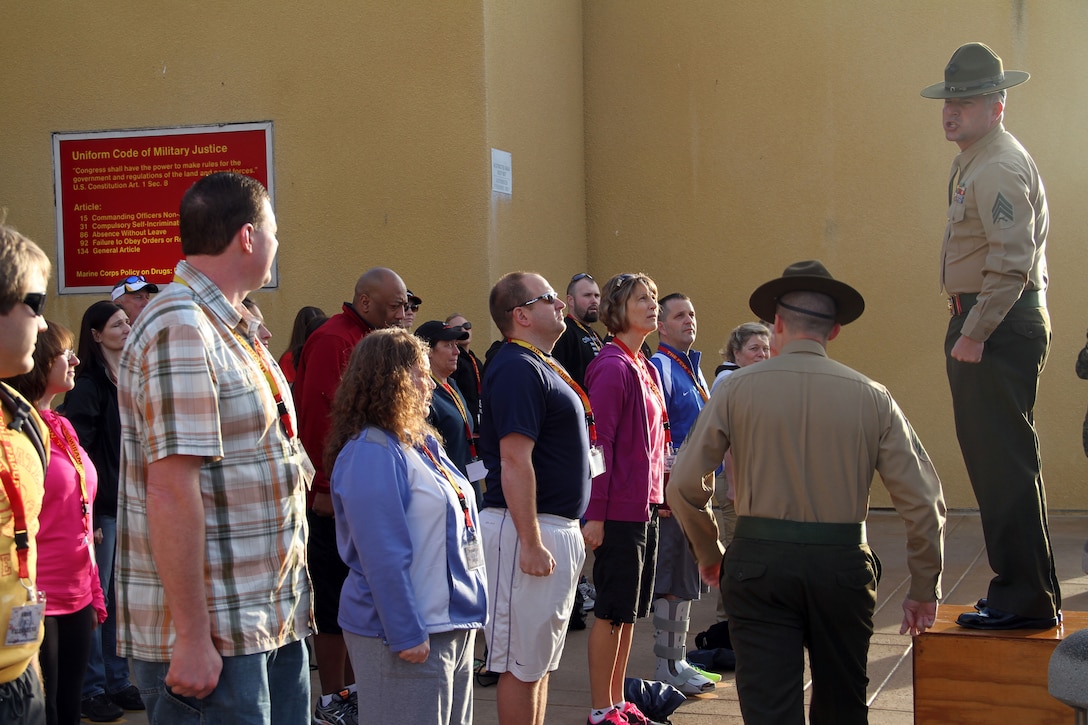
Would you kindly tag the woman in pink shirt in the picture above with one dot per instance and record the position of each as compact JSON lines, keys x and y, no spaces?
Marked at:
{"x":621,"y":520}
{"x":67,"y":572}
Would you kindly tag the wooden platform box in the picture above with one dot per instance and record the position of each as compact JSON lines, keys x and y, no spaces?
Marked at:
{"x":966,"y":676}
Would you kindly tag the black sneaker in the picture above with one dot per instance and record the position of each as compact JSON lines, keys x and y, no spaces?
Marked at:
{"x":128,"y":698}
{"x":100,"y":708}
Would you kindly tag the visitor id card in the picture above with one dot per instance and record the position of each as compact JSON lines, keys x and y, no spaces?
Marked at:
{"x":596,"y":461}
{"x":26,"y":621}
{"x":474,"y":553}
{"x":476,"y":470}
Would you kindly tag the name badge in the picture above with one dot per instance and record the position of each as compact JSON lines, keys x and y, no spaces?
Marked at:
{"x":26,"y":621}
{"x":596,"y":461}
{"x":474,"y":553}
{"x":305,"y":465}
{"x":670,"y":458}
{"x":476,"y":470}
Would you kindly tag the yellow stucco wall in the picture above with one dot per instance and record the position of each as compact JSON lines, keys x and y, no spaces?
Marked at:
{"x":708,"y":143}
{"x":725,"y":140}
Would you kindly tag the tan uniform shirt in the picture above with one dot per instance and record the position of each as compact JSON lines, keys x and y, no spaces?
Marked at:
{"x":807,"y":434}
{"x":995,"y":242}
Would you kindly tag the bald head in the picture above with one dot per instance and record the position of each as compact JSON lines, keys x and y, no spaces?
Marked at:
{"x":380,"y":296}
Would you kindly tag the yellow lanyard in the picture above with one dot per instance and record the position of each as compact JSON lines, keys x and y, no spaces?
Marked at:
{"x":259,"y":356}
{"x":453,"y":482}
{"x":550,"y":362}
{"x":589,"y":331}
{"x":461,"y":409}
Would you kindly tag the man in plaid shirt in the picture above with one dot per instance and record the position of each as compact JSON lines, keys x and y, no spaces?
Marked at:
{"x":213,"y":596}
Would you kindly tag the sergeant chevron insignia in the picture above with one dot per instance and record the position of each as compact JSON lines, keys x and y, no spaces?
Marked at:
{"x":1002,"y":210}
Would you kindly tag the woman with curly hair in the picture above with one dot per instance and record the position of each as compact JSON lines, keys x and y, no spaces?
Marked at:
{"x":407,"y":528}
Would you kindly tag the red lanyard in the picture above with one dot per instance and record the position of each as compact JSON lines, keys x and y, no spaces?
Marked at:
{"x":449,"y":477}
{"x":71,"y":448}
{"x":642,"y":364}
{"x":687,"y":368}
{"x":550,"y":362}
{"x":10,"y":477}
{"x":461,"y":409}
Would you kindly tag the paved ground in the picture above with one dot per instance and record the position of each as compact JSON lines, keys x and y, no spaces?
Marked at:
{"x":890,"y":672}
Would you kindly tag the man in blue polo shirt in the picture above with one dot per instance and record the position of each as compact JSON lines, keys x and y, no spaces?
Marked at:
{"x":535,"y":445}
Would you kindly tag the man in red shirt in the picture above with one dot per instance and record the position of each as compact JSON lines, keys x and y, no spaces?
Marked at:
{"x":381,"y":300}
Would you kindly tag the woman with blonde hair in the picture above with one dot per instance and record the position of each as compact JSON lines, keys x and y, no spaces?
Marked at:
{"x":407,"y":529}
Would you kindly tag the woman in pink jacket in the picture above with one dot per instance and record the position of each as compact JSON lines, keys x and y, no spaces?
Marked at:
{"x":621,"y":520}
{"x":67,"y":572}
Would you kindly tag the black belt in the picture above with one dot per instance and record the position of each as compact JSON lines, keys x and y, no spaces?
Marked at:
{"x":961,"y":304}
{"x":800,"y":532}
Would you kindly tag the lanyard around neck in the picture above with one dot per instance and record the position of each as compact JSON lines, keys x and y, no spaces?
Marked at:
{"x":550,"y":362}
{"x":258,"y":353}
{"x":642,"y":364}
{"x":687,"y":368}
{"x":452,"y":481}
{"x":460,"y":409}
{"x":589,"y":331}
{"x":70,"y":446}
{"x":10,"y":477}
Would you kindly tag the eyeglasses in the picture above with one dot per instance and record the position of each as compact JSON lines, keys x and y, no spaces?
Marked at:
{"x":411,"y":308}
{"x":581,"y":276}
{"x":67,"y":354}
{"x":133,"y":279}
{"x":549,"y":297}
{"x":466,"y":325}
{"x":36,"y":302}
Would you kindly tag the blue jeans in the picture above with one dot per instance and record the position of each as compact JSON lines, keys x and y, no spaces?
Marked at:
{"x":268,"y":688}
{"x":106,"y":672}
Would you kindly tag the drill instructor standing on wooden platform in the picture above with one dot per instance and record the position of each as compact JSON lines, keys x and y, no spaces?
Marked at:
{"x":993,"y":268}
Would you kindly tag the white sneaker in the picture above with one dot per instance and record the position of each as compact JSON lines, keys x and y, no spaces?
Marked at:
{"x":589,"y":595}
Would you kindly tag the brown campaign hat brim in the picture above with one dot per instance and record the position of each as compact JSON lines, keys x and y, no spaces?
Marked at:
{"x":942,"y":90}
{"x":808,"y":276}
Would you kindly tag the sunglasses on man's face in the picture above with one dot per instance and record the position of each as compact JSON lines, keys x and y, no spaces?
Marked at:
{"x":36,"y":302}
{"x":549,"y":297}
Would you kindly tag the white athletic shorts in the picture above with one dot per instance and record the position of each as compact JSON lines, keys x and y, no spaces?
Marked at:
{"x":527,"y":615}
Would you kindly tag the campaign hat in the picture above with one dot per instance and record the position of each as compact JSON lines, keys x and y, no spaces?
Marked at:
{"x":974,"y":70}
{"x":808,"y":276}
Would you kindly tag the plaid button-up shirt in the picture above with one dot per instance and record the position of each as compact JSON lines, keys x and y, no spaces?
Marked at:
{"x":189,"y":384}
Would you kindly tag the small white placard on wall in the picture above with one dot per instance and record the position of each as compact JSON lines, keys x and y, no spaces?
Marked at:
{"x":502,"y":179}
